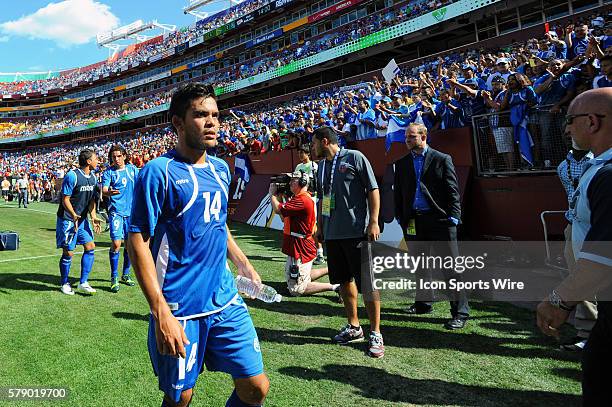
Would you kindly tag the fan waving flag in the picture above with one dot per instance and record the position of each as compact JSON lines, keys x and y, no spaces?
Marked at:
{"x":390,"y":71}
{"x":242,"y":166}
{"x":522,"y":137}
{"x":396,"y":132}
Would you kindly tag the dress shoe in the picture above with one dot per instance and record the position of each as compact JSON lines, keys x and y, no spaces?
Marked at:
{"x":455,"y":323}
{"x":575,"y":345}
{"x":414,"y":310}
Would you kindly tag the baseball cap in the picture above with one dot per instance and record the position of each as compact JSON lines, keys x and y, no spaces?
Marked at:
{"x":501,"y":61}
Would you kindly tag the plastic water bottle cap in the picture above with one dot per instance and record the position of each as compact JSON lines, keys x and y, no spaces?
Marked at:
{"x":278,"y":298}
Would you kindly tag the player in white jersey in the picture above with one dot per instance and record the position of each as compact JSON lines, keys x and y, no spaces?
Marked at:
{"x":179,"y":245}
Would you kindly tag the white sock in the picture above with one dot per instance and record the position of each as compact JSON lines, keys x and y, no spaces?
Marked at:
{"x":320,"y":252}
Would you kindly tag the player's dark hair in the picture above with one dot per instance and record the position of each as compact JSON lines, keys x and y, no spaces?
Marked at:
{"x":116,"y":147}
{"x":85,"y":155}
{"x":327,"y":133}
{"x":182,"y":97}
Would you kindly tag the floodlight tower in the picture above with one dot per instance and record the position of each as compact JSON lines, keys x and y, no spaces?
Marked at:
{"x":195,"y":4}
{"x":133,"y":31}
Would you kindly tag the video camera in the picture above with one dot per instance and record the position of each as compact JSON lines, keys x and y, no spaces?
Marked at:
{"x":282,"y":183}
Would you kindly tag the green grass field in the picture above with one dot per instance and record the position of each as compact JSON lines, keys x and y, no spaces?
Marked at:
{"x":96,"y":346}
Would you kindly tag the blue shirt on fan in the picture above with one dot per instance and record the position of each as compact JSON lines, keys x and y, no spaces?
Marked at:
{"x":183,"y":206}
{"x":451,"y":119}
{"x":122,"y":180}
{"x":420,"y":202}
{"x":558,"y":89}
{"x":579,"y":46}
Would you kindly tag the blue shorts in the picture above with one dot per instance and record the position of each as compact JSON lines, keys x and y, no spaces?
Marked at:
{"x":66,"y":237}
{"x":118,"y":226}
{"x":225,"y":341}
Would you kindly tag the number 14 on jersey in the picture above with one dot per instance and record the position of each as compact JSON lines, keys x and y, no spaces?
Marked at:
{"x":211,"y":208}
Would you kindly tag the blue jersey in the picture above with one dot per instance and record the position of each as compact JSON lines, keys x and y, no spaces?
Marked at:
{"x":602,"y":81}
{"x":183,"y":206}
{"x":579,"y":46}
{"x":122,"y":180}
{"x":558,"y":88}
{"x":82,"y":189}
{"x":524,"y":96}
{"x":451,"y":119}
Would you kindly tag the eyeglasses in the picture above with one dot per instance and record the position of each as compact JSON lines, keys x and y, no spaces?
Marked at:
{"x":569,"y":119}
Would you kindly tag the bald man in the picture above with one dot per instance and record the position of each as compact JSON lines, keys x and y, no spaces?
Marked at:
{"x":589,"y":123}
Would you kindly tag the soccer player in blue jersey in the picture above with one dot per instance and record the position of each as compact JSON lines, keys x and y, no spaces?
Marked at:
{"x":78,"y":198}
{"x":179,"y":245}
{"x":118,"y":185}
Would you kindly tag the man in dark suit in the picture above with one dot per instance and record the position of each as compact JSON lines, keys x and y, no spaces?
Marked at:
{"x":427,"y":206}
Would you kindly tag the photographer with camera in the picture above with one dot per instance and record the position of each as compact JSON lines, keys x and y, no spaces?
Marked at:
{"x":310,"y":168}
{"x":298,"y":244}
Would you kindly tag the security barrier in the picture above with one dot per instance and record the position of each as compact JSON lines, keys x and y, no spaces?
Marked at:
{"x":499,"y":152}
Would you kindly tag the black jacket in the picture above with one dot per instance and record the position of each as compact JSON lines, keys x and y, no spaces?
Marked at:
{"x":438,"y":184}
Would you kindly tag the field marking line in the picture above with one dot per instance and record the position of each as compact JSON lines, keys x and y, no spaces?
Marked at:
{"x":42,"y":257}
{"x":28,"y":209}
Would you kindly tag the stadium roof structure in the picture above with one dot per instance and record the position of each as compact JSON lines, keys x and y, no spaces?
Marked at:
{"x":108,"y":39}
{"x":196,"y":4}
{"x":27,"y":76}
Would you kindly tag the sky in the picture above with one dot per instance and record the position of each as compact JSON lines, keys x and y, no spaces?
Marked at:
{"x":43,"y":35}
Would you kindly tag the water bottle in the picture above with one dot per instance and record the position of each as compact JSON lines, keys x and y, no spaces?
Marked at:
{"x":261,"y":292}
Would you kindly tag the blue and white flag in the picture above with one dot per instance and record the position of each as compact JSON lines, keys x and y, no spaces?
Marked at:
{"x":396,"y":132}
{"x":518,"y":117}
{"x":242,"y":167}
{"x":391,"y":71}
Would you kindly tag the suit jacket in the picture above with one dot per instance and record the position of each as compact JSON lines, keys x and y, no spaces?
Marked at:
{"x":438,"y":184}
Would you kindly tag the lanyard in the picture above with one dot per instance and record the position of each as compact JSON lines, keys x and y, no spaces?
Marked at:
{"x":331,"y":175}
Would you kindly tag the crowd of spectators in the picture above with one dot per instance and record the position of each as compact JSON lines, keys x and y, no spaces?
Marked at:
{"x":283,"y":56}
{"x":51,"y":123}
{"x":230,"y":14}
{"x":50,"y":163}
{"x":348,"y":32}
{"x":531,"y":81}
{"x":141,"y":55}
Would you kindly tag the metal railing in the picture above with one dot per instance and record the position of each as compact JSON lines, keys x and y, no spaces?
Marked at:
{"x":497,"y":153}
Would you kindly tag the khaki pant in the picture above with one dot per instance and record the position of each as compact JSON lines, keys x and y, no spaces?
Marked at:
{"x":586,"y":312}
{"x":297,"y":287}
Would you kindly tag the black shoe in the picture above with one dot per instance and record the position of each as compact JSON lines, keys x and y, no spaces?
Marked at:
{"x":575,"y":345}
{"x":456,"y":323}
{"x":416,"y":310}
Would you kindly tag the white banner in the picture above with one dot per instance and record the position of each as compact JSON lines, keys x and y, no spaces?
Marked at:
{"x":390,"y":71}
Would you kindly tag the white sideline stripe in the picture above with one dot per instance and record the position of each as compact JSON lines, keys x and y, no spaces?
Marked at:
{"x":28,"y":209}
{"x":42,"y":257}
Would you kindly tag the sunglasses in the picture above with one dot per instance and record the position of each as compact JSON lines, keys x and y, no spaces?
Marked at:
{"x":569,"y":119}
